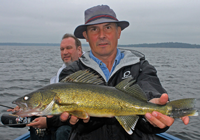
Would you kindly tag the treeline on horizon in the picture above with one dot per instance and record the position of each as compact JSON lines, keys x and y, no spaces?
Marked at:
{"x":163,"y":45}
{"x":152,"y":45}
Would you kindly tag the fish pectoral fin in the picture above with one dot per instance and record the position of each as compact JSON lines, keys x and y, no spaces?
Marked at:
{"x":48,"y":108}
{"x":59,"y":102}
{"x":79,"y":114}
{"x":128,"y":122}
{"x":66,"y":104}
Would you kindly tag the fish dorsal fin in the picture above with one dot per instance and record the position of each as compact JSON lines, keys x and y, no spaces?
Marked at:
{"x":128,"y":122}
{"x":133,"y":90}
{"x":83,"y":76}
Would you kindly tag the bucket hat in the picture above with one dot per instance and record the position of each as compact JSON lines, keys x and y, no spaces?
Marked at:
{"x":96,"y":15}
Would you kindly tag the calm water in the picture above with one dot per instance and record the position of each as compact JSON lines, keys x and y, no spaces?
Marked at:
{"x":25,"y":69}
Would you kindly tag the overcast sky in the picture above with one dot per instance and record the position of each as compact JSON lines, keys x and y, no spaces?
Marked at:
{"x":151,"y":21}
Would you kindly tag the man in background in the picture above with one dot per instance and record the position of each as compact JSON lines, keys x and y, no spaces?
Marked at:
{"x":40,"y":129}
{"x":70,"y":50}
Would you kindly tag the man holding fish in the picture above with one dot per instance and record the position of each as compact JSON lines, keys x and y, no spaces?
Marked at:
{"x":102,"y":30}
{"x":70,"y":50}
{"x":109,"y":93}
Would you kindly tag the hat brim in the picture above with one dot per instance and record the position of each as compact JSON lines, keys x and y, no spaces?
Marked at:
{"x":78,"y":32}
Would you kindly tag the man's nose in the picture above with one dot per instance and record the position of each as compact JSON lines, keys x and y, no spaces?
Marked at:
{"x":101,"y":33}
{"x":66,"y":51}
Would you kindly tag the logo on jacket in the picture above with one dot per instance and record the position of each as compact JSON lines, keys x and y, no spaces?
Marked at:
{"x":126,"y":75}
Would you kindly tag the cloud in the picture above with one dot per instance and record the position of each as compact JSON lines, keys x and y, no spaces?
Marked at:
{"x":150,"y":21}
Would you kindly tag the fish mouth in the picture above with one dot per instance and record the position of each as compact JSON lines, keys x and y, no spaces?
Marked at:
{"x":21,"y":105}
{"x":26,"y":111}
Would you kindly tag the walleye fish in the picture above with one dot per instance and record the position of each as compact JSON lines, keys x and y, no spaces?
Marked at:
{"x":81,"y":94}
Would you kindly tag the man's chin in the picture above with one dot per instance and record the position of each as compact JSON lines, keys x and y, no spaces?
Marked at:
{"x":68,"y":63}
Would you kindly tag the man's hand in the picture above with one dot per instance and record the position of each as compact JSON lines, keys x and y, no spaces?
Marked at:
{"x":14,"y":109}
{"x":158,"y":119}
{"x":39,"y":122}
{"x":73,"y":119}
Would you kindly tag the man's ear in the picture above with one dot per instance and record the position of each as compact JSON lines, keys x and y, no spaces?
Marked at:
{"x":79,"y":51}
{"x":85,"y":35}
{"x":119,"y":32}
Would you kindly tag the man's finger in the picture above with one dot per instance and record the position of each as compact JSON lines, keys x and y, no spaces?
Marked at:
{"x":163,"y":99}
{"x":159,"y":120}
{"x":154,"y":121}
{"x":33,"y":123}
{"x":64,"y":116}
{"x":36,"y":119}
{"x":86,"y":120}
{"x":73,"y":120}
{"x":14,"y":109}
{"x":168,"y":121}
{"x":9,"y":110}
{"x":185,"y":120}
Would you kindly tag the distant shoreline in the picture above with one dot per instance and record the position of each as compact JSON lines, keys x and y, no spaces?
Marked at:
{"x":150,"y":45}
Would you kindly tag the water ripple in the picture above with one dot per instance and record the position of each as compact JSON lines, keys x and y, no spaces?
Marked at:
{"x":25,"y":70}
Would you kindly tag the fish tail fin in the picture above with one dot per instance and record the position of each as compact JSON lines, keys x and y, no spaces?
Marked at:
{"x":182,"y":107}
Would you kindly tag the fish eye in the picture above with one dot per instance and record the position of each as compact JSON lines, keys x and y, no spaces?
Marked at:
{"x":26,"y":98}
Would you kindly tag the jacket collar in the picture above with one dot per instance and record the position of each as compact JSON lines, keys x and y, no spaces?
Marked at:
{"x":130,"y":57}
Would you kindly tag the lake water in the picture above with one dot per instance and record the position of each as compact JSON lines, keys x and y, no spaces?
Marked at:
{"x":24,"y":69}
